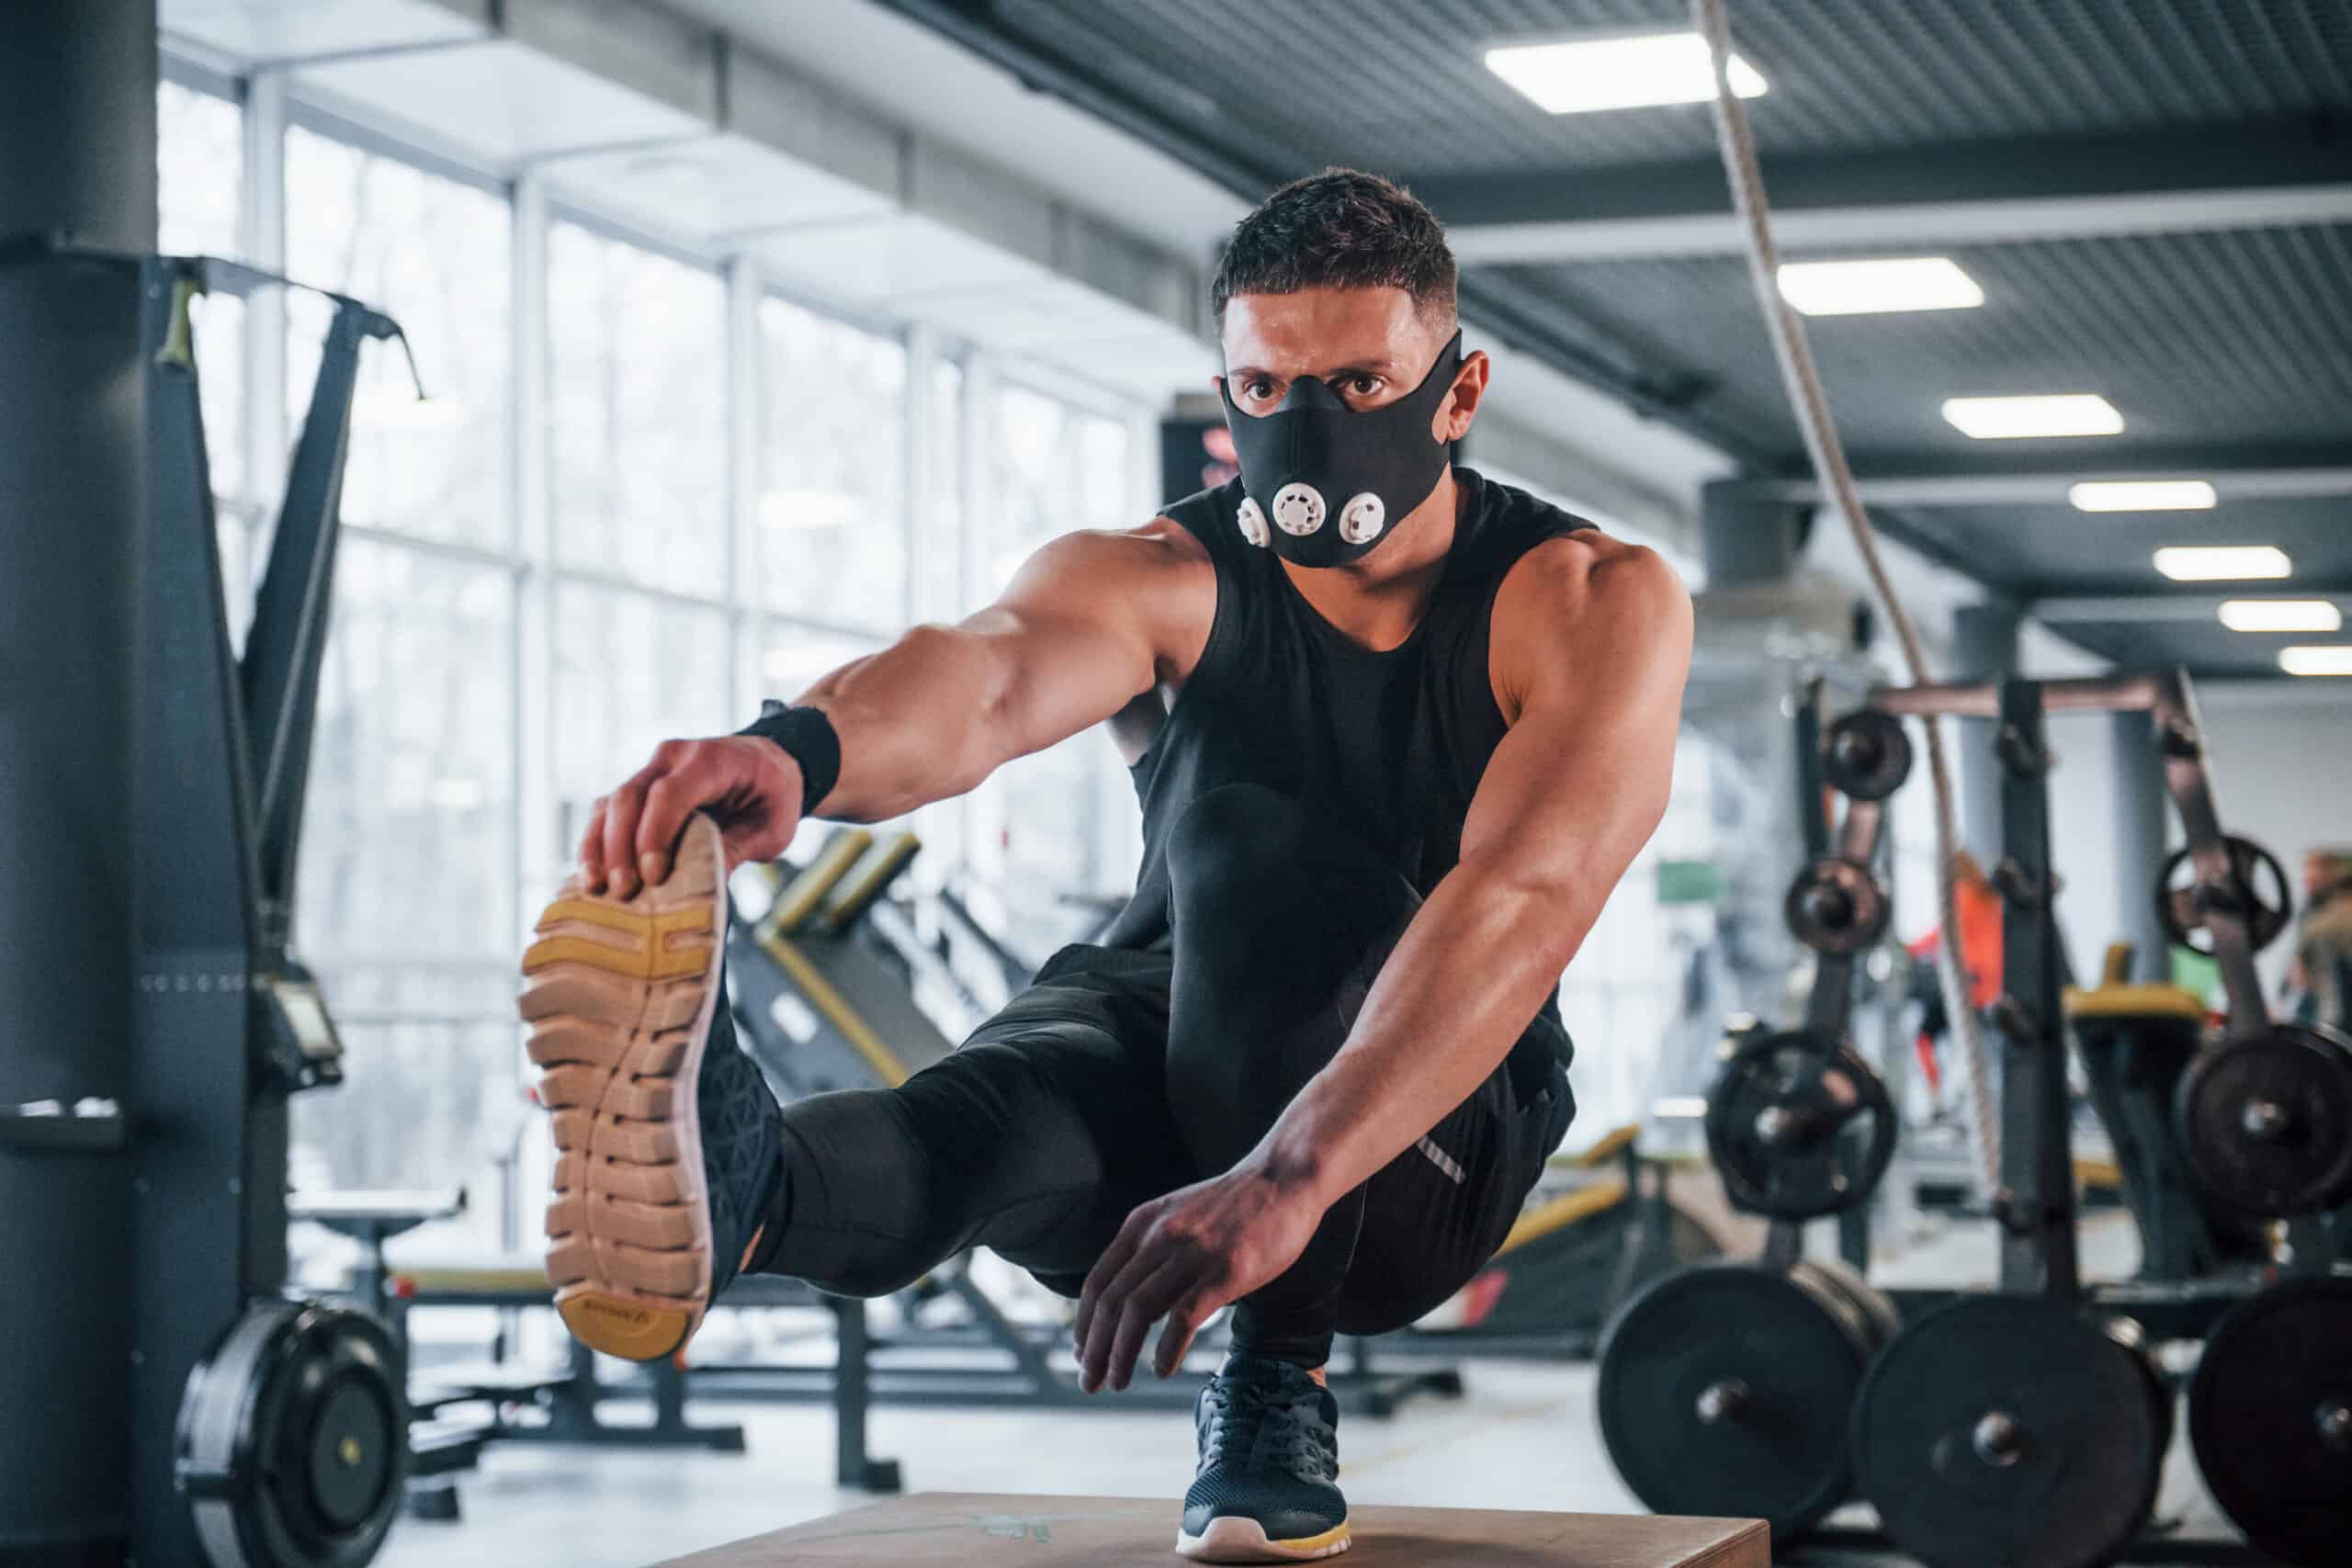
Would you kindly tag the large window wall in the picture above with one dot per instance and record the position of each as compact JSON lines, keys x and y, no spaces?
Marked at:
{"x":1048,"y":830}
{"x":645,"y":488}
{"x":200,"y":205}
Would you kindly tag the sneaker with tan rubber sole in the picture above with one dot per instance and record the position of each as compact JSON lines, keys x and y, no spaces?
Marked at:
{"x":667,"y":1140}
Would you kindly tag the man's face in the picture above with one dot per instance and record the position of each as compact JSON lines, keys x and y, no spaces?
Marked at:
{"x":1371,"y":346}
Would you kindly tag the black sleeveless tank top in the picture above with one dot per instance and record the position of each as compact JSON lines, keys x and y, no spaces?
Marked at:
{"x":1393,"y":743}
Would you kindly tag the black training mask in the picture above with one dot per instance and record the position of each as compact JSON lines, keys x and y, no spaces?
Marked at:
{"x":1330,"y":480}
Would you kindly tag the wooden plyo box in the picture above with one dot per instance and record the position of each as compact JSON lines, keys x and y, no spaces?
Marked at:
{"x":986,"y":1530}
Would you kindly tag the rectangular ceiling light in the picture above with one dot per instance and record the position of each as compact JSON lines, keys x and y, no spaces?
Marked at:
{"x":2142,"y":495}
{"x":2218,"y":563}
{"x":2317,"y":661}
{"x":2061,"y":413}
{"x":2282,"y":616}
{"x":1587,"y":74}
{"x":1865,"y":288}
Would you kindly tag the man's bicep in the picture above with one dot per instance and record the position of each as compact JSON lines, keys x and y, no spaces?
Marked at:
{"x":1079,"y":633}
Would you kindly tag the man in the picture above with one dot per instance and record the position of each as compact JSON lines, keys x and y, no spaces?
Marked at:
{"x":1397,"y":730}
{"x":2318,"y":976}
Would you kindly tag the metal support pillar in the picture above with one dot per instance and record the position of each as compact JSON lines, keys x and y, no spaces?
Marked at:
{"x":77,"y":119}
{"x":2139,"y":814}
{"x":1984,"y":648}
{"x":2036,"y":1202}
{"x":1746,"y":540}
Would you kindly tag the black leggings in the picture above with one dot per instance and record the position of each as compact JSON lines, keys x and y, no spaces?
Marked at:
{"x":1120,"y":1077}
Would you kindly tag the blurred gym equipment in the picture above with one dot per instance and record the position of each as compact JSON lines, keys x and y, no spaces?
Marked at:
{"x":2027,"y":1424}
{"x":1583,"y":1245}
{"x":1724,"y":1387}
{"x":262,"y":1430}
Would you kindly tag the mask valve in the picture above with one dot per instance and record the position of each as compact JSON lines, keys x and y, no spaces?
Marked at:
{"x":1299,"y":509}
{"x":1361,"y":518}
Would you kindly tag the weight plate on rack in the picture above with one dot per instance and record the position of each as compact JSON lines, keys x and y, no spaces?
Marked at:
{"x":1799,"y":1127}
{"x":1725,"y":1390}
{"x":1877,"y":1311}
{"x":1836,"y":906}
{"x":2009,"y":1432}
{"x":2182,"y":900}
{"x":2271,"y":1418}
{"x":1866,"y":754}
{"x":293,"y":1439}
{"x":2266,"y":1122}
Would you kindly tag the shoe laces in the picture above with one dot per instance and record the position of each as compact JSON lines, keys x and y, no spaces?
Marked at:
{"x":1253,"y":1420}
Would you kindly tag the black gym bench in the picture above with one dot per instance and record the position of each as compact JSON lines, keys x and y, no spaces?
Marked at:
{"x":566,"y":1400}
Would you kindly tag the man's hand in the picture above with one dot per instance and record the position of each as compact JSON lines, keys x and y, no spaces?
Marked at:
{"x":1182,"y":1257}
{"x":747,"y":784}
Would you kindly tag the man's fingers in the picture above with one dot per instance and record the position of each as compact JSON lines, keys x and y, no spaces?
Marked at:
{"x":621,"y":810}
{"x":1106,"y":1268}
{"x":1143,"y":1307}
{"x":1102,"y":1329}
{"x":592,"y":850}
{"x":1185,"y":1320}
{"x":667,"y":802}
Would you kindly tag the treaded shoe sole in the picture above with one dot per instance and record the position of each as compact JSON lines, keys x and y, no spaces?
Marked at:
{"x":618,"y":993}
{"x":1236,"y":1537}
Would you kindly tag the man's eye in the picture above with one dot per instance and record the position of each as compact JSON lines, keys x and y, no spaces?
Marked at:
{"x":1363,"y":386}
{"x":1260,"y":389}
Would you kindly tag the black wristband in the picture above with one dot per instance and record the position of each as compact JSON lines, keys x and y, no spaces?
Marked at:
{"x":807,"y":737}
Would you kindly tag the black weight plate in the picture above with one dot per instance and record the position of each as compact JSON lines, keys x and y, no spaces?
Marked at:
{"x":1799,"y":1127}
{"x":293,"y":1439}
{"x":1836,"y":906}
{"x":2181,"y":902}
{"x":1866,"y":754}
{"x":2007,"y":1432}
{"x":1782,"y":1354}
{"x":2271,"y":1418}
{"x":2266,"y":1122}
{"x":350,"y":1453}
{"x":1879,"y":1312}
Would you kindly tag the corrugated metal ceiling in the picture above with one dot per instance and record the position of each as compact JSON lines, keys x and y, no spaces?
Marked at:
{"x":2206,"y":341}
{"x":1401,"y":86}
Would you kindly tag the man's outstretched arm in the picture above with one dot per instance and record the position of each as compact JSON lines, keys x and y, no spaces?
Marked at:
{"x":1599,"y":646}
{"x":1088,"y":624}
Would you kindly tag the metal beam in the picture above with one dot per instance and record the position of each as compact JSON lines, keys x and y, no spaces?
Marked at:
{"x":2259,"y":174}
{"x":2174,"y":609}
{"x":2048,"y":485}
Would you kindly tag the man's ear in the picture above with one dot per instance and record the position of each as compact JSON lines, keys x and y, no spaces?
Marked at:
{"x":1454,"y":414}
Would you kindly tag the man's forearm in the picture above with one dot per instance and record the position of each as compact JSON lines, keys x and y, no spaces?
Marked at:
{"x":1460,"y":988}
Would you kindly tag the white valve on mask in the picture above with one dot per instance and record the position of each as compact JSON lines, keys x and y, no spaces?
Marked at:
{"x":1361,"y":518}
{"x":1253,"y":523}
{"x":1299,"y":509}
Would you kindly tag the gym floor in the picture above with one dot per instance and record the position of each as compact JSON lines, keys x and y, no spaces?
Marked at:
{"x":1523,"y":1437}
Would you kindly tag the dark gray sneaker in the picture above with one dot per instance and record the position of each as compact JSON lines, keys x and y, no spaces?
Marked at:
{"x":1270,"y":1455}
{"x":668,"y":1145}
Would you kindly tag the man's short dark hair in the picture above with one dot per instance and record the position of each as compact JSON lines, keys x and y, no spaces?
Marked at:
{"x":1341,"y":229}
